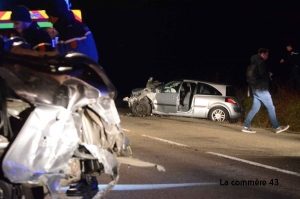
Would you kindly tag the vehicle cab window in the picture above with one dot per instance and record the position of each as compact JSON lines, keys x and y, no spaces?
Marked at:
{"x":171,"y":87}
{"x":205,"y":89}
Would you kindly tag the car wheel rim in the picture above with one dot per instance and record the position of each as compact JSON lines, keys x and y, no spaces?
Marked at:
{"x":218,"y":115}
{"x":141,"y":109}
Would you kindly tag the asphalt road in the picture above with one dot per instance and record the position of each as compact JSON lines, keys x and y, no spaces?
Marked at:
{"x":205,"y":159}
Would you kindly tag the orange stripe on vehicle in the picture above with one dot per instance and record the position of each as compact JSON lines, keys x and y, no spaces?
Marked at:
{"x":1,"y":14}
{"x":77,"y":18}
{"x":77,"y":14}
{"x":6,"y":16}
{"x":37,"y":15}
{"x":43,"y":13}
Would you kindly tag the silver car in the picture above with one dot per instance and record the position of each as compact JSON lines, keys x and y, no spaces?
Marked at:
{"x":190,"y":98}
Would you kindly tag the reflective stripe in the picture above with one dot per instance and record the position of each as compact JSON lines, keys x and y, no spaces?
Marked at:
{"x":75,"y":39}
{"x":41,"y":44}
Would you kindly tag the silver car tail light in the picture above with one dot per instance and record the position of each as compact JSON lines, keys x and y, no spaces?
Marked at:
{"x":229,"y":100}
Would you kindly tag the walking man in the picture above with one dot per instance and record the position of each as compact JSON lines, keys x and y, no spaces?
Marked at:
{"x":261,"y":94}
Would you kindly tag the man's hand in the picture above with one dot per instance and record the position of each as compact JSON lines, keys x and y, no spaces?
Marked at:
{"x":22,"y":51}
{"x":282,"y":60}
{"x":48,"y":53}
{"x":270,"y":76}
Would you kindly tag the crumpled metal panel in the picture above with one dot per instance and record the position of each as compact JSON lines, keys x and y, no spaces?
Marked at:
{"x":45,"y":144}
{"x":111,"y":167}
{"x":98,"y":132}
{"x":72,"y":172}
{"x":107,"y":158}
{"x":147,"y":92}
{"x":80,"y":93}
{"x":151,"y":96}
{"x":42,"y":151}
{"x":106,"y":109}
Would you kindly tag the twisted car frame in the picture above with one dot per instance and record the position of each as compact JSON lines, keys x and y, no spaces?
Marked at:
{"x":189,"y":98}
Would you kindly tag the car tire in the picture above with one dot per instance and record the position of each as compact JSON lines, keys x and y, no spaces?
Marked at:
{"x":218,"y":114}
{"x":141,"y":108}
{"x":5,"y":190}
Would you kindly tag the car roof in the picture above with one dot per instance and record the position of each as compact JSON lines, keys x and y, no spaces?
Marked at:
{"x":206,"y":82}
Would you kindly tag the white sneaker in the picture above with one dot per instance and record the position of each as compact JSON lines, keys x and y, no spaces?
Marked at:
{"x":282,"y":128}
{"x":248,"y":130}
{"x":3,"y":142}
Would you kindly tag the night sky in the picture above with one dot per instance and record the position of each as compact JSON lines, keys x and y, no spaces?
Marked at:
{"x":185,"y":39}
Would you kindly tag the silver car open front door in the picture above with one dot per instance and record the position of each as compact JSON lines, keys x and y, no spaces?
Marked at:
{"x":167,"y":100}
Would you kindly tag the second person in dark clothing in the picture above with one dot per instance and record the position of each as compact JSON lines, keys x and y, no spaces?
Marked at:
{"x":293,"y":62}
{"x":74,"y":36}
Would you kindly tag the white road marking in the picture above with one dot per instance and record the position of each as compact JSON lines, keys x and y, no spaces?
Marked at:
{"x":134,"y":187}
{"x":167,"y":141}
{"x":256,"y":164}
{"x":126,"y":130}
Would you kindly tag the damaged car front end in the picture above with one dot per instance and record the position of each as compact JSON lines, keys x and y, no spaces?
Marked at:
{"x":72,"y":127}
{"x":140,"y":100}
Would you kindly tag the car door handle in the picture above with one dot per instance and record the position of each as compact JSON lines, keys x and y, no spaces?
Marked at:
{"x":173,"y":97}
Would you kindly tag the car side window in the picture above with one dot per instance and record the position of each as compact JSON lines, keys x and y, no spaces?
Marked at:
{"x":205,"y":89}
{"x":171,"y":87}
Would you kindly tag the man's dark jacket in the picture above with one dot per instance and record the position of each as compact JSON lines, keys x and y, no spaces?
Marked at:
{"x":75,"y":36}
{"x":264,"y":75}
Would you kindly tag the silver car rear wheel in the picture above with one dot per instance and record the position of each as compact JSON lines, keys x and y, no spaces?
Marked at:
{"x":218,"y":114}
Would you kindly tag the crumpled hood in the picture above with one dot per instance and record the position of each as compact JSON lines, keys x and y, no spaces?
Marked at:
{"x":256,"y":58}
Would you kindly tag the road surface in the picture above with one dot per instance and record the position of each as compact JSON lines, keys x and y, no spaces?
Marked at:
{"x":205,"y":159}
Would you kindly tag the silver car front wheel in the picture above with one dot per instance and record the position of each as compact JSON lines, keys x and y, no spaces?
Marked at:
{"x":141,"y":108}
{"x":218,"y":114}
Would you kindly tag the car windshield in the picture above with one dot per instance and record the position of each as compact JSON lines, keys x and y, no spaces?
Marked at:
{"x":171,"y":87}
{"x":230,"y":91}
